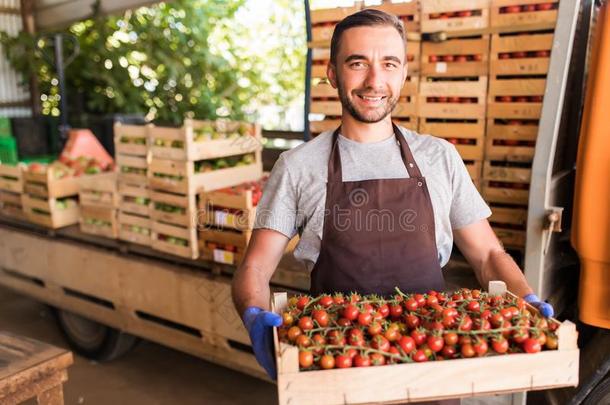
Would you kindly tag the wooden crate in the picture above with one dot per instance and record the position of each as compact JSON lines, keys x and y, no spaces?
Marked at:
{"x":411,"y":123}
{"x":134,"y":199}
{"x":507,"y":171}
{"x":319,"y":59}
{"x":457,"y":57}
{"x":135,"y":229}
{"x":523,"y":98}
{"x":100,"y":190}
{"x":407,"y":104}
{"x":408,"y":13}
{"x":45,"y":185}
{"x":182,"y":144}
{"x":444,"y":98}
{"x":183,"y":208}
{"x":522,"y":54}
{"x":184,"y":180}
{"x":223,"y":245}
{"x":218,"y":209}
{"x":468,"y":137}
{"x":323,"y":21}
{"x":130,"y":139}
{"x":512,"y":140}
{"x":474,"y":168}
{"x":11,"y":204}
{"x":132,"y":169}
{"x":525,"y":17}
{"x":11,"y":178}
{"x":99,"y":221}
{"x":494,"y":191}
{"x":185,"y":240}
{"x":420,"y":381}
{"x":49,"y":212}
{"x":317,"y":127}
{"x":454,"y":16}
{"x":509,"y":223}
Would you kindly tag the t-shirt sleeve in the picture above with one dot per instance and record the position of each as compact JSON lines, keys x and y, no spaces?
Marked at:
{"x":467,"y":205}
{"x":277,"y":208}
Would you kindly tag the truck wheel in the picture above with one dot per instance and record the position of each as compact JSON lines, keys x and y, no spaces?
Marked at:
{"x":92,"y":339}
{"x":601,"y":393}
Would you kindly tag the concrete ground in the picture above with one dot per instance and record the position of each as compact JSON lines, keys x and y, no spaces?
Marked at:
{"x":150,"y":374}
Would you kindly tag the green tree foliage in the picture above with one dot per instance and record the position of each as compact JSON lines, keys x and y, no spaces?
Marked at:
{"x":203,"y":58}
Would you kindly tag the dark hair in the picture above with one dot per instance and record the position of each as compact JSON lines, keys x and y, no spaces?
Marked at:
{"x":368,"y":18}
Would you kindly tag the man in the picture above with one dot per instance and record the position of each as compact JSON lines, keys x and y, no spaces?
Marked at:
{"x":376,"y":206}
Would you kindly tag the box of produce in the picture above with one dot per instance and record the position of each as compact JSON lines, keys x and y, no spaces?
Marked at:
{"x":99,"y":221}
{"x":177,"y":209}
{"x":186,"y":177}
{"x":130,"y":139}
{"x":132,"y":169}
{"x":51,"y":212}
{"x":100,"y":190}
{"x":175,"y":240}
{"x":134,"y":199}
{"x":365,"y":349}
{"x":135,"y":229}
{"x":11,"y":204}
{"x":11,"y":178}
{"x":452,"y":16}
{"x":523,"y":14}
{"x":199,"y":140}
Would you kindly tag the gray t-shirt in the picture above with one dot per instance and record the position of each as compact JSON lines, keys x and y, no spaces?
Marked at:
{"x":294,"y":196}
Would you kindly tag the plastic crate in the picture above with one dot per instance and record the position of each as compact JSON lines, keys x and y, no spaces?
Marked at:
{"x":8,"y":151}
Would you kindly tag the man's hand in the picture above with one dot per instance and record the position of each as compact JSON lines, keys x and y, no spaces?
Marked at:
{"x":545,"y":308}
{"x":259,"y":324}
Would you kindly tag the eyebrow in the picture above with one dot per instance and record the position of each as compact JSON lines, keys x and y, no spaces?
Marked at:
{"x":359,"y":57}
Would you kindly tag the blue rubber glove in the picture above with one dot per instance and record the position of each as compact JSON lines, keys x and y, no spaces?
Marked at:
{"x":259,"y":324}
{"x":545,"y":308}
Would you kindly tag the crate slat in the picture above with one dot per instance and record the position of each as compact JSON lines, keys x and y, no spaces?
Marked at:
{"x":130,"y":139}
{"x":11,"y":178}
{"x":159,"y":230}
{"x":531,"y":19}
{"x":453,"y":47}
{"x":474,"y":22}
{"x":88,"y":212}
{"x":127,"y":233}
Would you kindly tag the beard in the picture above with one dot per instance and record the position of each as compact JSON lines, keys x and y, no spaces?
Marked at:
{"x":372,"y":115}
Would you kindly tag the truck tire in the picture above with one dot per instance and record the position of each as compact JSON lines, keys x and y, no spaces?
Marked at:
{"x":91,"y":339}
{"x":600,"y":394}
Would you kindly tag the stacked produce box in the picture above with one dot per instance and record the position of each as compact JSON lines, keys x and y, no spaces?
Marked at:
{"x":11,"y":189}
{"x":454,"y":77}
{"x":99,"y":202}
{"x":199,"y":156}
{"x":132,"y":156}
{"x":519,"y":63}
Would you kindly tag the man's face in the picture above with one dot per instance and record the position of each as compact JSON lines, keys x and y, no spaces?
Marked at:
{"x":370,"y":71}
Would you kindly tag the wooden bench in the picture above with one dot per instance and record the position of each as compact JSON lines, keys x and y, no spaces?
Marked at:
{"x":29,"y":368}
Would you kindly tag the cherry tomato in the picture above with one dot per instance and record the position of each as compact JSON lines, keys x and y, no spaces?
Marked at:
{"x":336,"y":337}
{"x":531,"y":345}
{"x":327,"y":362}
{"x":351,"y":312}
{"x":506,"y":313}
{"x":419,"y":356}
{"x":326,"y":300}
{"x":395,"y":311}
{"x":384,"y":310}
{"x":465,"y":323}
{"x":451,"y":338}
{"x":431,"y":300}
{"x":412,"y":321}
{"x":421,"y":300}
{"x":344,"y":322}
{"x":343,"y":361}
{"x":377,"y":359}
{"x":411,"y":305}
{"x":287,"y":319}
{"x":293,"y":333}
{"x":467,"y":351}
{"x":303,"y":341}
{"x":380,"y":343}
{"x":305,"y":358}
{"x":449,"y":351}
{"x":355,"y":340}
{"x":435,"y":343}
{"x":375,"y":328}
{"x":406,"y":343}
{"x":499,"y":344}
{"x":432,"y":58}
{"x":551,"y":341}
{"x":419,"y":336}
{"x":321,"y":317}
{"x":392,"y":334}
{"x":474,"y":306}
{"x":362,"y":360}
{"x":306,"y":323}
{"x":365,"y":318}
{"x":480,"y":347}
{"x":351,"y":353}
{"x":338,"y":299}
{"x":520,"y":335}
{"x":302,"y":301}
{"x":496,"y":320}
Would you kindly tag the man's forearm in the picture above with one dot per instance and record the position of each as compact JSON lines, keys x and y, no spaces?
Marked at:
{"x":249,"y":289}
{"x":501,"y":266}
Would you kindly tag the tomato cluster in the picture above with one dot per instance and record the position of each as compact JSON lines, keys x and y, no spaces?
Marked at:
{"x":528,"y":8}
{"x":341,"y":331}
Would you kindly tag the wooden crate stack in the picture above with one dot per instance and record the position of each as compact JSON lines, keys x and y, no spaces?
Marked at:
{"x":452,"y":99}
{"x":11,"y":190}
{"x":199,"y":156}
{"x":519,"y":62}
{"x":132,"y":157}
{"x":99,"y":201}
{"x":50,"y":198}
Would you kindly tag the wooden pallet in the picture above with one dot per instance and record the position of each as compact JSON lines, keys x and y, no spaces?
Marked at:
{"x":45,"y":185}
{"x":11,"y":177}
{"x":184,"y":179}
{"x":408,"y":13}
{"x":132,"y":169}
{"x":538,"y":19}
{"x":511,"y":140}
{"x":435,"y":15}
{"x":515,"y":88}
{"x":134,"y":228}
{"x":414,"y":382}
{"x":494,"y":191}
{"x":523,"y":54}
{"x":506,"y":172}
{"x":182,"y":144}
{"x":110,"y":227}
{"x":468,"y":137}
{"x":457,"y":57}
{"x":100,"y":190}
{"x":161,"y":232}
{"x":130,"y":139}
{"x":46,"y":212}
{"x":184,"y":208}
{"x":223,"y":245}
{"x":129,"y":194}
{"x":11,"y":204}
{"x":323,"y":21}
{"x":448,"y":89}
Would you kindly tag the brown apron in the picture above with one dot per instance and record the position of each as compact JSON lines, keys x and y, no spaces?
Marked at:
{"x":378,"y":234}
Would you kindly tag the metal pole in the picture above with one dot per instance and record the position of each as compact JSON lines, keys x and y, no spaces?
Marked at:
{"x":306,"y":132}
{"x":63,"y":102}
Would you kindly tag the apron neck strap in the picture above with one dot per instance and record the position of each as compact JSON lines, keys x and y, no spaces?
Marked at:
{"x":334,"y":163}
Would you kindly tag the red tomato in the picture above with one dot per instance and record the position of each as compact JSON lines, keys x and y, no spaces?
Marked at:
{"x":343,"y":361}
{"x":318,"y":339}
{"x":336,"y":337}
{"x":305,"y":358}
{"x":293,"y":333}
{"x":506,"y":313}
{"x":362,"y":360}
{"x":327,"y":362}
{"x":303,"y":341}
{"x":520,"y":335}
{"x":486,"y":314}
{"x":461,"y":58}
{"x":412,"y":321}
{"x":377,"y":359}
{"x":467,"y":350}
{"x":528,"y":8}
{"x":419,"y":356}
{"x":449,"y":351}
{"x":407,"y":344}
{"x":302,"y":301}
{"x":512,"y":9}
{"x":465,"y":323}
{"x":432,"y":58}
{"x":480,"y":347}
{"x":499,"y":344}
{"x":421,"y":300}
{"x":384,"y":310}
{"x":477,"y":57}
{"x":395,"y":311}
{"x":544,"y":6}
{"x":338,"y":299}
{"x":435,"y":343}
{"x":320,"y":316}
{"x":451,"y":338}
{"x":419,"y":336}
{"x":432,"y":300}
{"x":344,"y":322}
{"x":448,"y":58}
{"x":392,"y":334}
{"x":351,"y":353}
{"x":543,"y":54}
{"x":306,"y":323}
{"x":375,"y":328}
{"x":466,"y":13}
{"x":350,"y":312}
{"x":367,"y":309}
{"x":326,"y":300}
{"x":380,"y":343}
{"x":411,"y":304}
{"x":531,"y":345}
{"x":496,"y":320}
{"x":365,"y":318}
{"x":474,"y":306}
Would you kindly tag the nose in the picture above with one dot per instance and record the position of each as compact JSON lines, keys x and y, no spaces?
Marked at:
{"x":374,"y":77}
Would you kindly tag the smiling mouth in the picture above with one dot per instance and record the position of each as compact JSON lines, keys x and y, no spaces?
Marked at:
{"x":371,"y":98}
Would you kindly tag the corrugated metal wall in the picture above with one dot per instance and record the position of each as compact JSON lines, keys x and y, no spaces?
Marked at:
{"x":12,"y":95}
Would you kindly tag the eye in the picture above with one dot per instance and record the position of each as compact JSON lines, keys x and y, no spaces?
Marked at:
{"x":391,"y":65}
{"x":357,"y":65}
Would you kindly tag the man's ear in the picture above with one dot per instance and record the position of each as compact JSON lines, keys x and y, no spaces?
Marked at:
{"x":331,"y":73}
